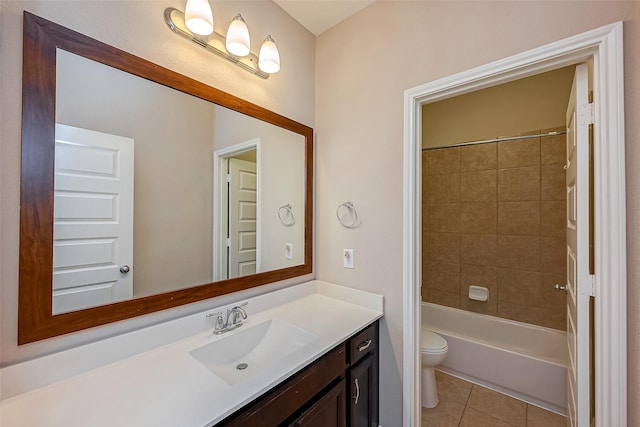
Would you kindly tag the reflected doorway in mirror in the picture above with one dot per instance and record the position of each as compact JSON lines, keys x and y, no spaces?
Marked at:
{"x":242,"y":218}
{"x":236,"y":219}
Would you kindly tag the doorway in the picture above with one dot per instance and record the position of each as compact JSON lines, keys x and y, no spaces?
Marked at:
{"x":241,"y":198}
{"x":236,"y":211}
{"x":603,"y":46}
{"x":494,"y":199}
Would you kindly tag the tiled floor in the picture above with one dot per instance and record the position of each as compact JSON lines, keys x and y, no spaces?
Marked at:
{"x":463,"y":404}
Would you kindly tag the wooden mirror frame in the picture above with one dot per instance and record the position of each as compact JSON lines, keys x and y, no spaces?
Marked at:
{"x":41,"y":38}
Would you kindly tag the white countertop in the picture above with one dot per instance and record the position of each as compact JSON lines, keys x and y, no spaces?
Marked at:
{"x":166,"y":386}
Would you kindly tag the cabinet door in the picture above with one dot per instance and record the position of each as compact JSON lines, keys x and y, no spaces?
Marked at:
{"x":363,"y":399}
{"x":329,"y":411}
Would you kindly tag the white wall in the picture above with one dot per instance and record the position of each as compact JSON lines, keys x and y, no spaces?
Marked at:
{"x":364,"y":65}
{"x":137,"y":27}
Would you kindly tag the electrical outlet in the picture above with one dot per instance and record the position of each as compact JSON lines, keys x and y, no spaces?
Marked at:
{"x":288,"y":250}
{"x":348,"y":258}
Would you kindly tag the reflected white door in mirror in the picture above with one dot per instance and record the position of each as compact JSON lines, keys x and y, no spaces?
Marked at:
{"x":93,"y":219}
{"x":237,"y":210}
{"x":242,"y":218}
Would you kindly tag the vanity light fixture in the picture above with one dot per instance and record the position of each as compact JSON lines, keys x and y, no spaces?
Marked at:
{"x":198,"y":17}
{"x":269,"y":60}
{"x":196,"y":25}
{"x":238,"y":41}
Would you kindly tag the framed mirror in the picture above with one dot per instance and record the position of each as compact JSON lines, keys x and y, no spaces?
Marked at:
{"x":143,"y":189}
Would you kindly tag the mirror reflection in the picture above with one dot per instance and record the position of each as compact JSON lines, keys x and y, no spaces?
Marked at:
{"x":158,"y":190}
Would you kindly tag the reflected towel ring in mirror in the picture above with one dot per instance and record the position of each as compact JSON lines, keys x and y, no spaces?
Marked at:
{"x":286,"y":215}
{"x":348,"y":211}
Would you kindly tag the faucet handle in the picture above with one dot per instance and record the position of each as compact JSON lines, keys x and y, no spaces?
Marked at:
{"x":218,"y":319}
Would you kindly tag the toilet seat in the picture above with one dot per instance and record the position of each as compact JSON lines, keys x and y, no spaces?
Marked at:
{"x":432,"y":343}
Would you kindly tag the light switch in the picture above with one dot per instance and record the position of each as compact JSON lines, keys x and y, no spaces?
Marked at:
{"x":348,"y":258}
{"x":288,"y":250}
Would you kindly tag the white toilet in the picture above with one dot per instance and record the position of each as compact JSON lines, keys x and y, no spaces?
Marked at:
{"x":434,"y":349}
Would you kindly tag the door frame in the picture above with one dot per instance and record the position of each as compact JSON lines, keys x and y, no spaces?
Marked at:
{"x":219,"y":195}
{"x":604,"y":46}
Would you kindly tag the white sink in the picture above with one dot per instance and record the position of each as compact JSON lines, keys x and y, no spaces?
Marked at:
{"x":246,"y":352}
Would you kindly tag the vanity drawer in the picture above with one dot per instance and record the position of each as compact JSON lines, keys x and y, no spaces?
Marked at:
{"x":288,"y":398}
{"x":362,"y":344}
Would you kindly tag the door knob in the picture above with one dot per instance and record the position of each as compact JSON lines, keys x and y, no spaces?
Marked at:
{"x":559,"y":288}
{"x":124,"y":269}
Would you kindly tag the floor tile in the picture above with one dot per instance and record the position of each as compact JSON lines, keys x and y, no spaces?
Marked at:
{"x":473,"y":418}
{"x":498,"y":406}
{"x":447,"y":414}
{"x":538,"y":417}
{"x":452,"y":388}
{"x":464,"y":404}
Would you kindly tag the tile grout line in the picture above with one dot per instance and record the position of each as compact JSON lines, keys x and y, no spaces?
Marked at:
{"x":465,"y":408}
{"x":489,"y":415}
{"x":466,"y":404}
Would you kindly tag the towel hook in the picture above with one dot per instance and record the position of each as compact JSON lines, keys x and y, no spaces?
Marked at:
{"x":285,"y":213}
{"x":351,"y":210}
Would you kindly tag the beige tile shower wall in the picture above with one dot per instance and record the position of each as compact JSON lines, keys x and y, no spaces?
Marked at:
{"x":494,"y":216}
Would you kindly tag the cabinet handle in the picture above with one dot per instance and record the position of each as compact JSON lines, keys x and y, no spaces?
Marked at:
{"x":357,"y":396}
{"x":364,"y":345}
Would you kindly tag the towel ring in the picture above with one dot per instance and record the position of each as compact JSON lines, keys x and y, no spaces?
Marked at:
{"x":286,"y":215}
{"x":352,"y":212}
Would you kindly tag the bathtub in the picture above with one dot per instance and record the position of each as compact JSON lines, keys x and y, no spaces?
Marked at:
{"x":524,"y":361}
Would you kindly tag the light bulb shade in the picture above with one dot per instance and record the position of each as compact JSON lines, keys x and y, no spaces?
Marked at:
{"x":238,"y":42}
{"x":269,"y":59}
{"x":198,"y":17}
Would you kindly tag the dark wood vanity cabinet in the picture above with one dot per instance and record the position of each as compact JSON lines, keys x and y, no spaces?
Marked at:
{"x":363,"y":378}
{"x":338,"y":390}
{"x":363,"y":403}
{"x":329,"y":411}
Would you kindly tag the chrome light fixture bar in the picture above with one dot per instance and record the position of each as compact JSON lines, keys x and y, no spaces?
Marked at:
{"x":215,"y":43}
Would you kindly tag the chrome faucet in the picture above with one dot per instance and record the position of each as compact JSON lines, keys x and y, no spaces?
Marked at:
{"x":235,"y":315}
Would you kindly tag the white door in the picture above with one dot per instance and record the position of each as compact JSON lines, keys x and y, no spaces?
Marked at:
{"x":242,"y":217}
{"x":579,"y":282}
{"x":93,"y":219}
